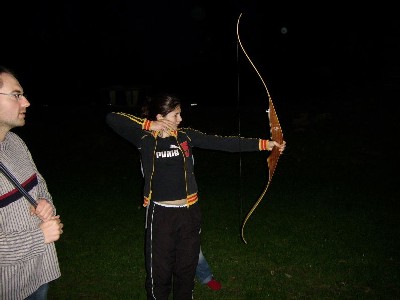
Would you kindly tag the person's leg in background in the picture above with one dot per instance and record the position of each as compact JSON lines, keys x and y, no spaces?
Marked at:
{"x":204,"y":273}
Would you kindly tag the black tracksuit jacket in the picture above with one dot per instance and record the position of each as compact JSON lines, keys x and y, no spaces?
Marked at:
{"x":133,"y":129}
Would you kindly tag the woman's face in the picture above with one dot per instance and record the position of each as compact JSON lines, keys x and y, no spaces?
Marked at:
{"x":174,"y":117}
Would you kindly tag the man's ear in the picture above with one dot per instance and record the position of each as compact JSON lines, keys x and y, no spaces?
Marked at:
{"x":159,"y":117}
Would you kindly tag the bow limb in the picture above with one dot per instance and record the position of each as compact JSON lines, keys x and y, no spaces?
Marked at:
{"x":275,"y":130}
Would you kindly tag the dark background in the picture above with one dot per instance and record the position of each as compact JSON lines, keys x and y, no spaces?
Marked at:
{"x":332,"y":71}
{"x":67,"y":52}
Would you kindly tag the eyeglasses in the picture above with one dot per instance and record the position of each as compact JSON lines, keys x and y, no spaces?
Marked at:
{"x":17,"y":96}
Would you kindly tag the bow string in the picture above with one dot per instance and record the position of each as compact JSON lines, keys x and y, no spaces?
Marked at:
{"x":275,"y":131}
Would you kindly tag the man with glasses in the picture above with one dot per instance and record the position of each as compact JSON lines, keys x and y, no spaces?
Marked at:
{"x":28,"y":258}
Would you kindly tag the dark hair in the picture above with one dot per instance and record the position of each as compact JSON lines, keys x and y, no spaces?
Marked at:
{"x":161,"y":104}
{"x":4,"y":70}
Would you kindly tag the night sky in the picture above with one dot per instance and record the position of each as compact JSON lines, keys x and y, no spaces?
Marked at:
{"x":69,"y":51}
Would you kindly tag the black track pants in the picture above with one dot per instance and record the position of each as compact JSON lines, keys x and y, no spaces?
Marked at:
{"x":172,"y":250}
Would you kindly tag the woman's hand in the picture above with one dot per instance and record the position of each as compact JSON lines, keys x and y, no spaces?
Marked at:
{"x":272,"y":144}
{"x":162,"y":125}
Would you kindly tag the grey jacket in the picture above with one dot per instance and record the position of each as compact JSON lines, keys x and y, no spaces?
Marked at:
{"x":26,"y":262}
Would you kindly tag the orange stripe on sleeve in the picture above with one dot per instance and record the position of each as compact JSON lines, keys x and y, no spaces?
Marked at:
{"x":263,"y":145}
{"x":145,"y":201}
{"x":146,"y":125}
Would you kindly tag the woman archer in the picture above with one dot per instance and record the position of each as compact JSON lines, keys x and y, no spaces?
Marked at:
{"x":173,"y":216}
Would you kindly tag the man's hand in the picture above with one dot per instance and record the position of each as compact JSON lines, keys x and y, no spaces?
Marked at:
{"x":44,"y":210}
{"x":52,"y":229}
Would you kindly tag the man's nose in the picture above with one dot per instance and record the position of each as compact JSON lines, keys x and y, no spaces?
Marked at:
{"x":24,"y":102}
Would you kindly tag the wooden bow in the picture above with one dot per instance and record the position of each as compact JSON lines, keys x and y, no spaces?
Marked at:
{"x":276,"y":135}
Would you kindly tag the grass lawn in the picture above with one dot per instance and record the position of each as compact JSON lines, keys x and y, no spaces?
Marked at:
{"x":328,"y":227}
